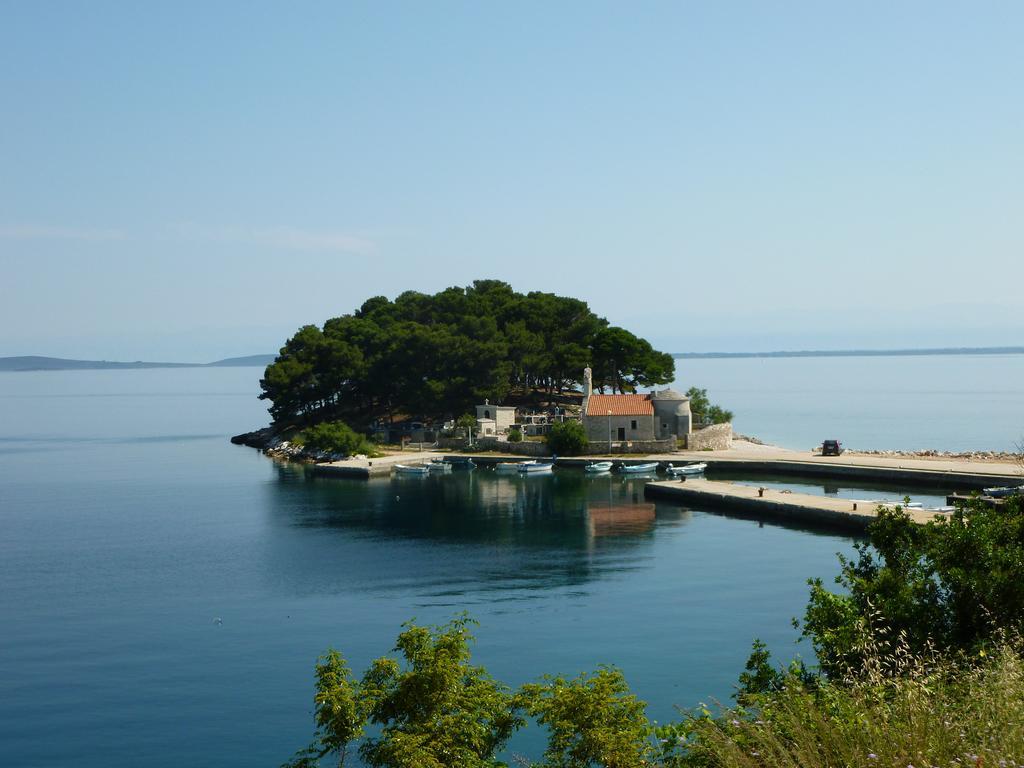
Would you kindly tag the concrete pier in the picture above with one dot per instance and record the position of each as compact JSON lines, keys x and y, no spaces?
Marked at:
{"x":367,"y":468}
{"x":959,"y":475}
{"x":769,"y":504}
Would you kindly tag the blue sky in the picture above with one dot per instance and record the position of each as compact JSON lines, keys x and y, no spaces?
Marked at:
{"x":192,"y":181}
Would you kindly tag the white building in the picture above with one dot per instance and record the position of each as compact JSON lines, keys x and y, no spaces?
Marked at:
{"x":494,"y":419}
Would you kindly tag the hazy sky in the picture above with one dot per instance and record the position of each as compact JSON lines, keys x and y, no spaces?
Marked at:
{"x":192,"y":181}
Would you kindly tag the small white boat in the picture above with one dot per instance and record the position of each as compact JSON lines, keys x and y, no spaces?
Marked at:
{"x":598,"y":466}
{"x":1004,"y":491}
{"x":439,"y":465}
{"x":637,"y":469}
{"x":533,"y":467}
{"x":505,"y":467}
{"x":687,"y":469}
{"x":412,"y":469}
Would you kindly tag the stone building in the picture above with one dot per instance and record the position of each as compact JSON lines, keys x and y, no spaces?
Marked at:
{"x":628,"y":418}
{"x":494,"y":419}
{"x":671,"y":413}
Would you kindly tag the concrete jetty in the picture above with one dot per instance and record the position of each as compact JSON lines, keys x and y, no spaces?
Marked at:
{"x":770,"y":504}
{"x":952,"y":474}
{"x":366,"y":468}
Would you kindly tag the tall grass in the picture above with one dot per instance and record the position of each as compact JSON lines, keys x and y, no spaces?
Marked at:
{"x":897,"y":710}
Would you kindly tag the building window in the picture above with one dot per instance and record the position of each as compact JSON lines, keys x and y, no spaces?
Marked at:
{"x":487,"y":414}
{"x":632,"y":424}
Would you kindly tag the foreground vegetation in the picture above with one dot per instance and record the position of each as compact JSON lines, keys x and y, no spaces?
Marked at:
{"x":436,"y":356}
{"x":920,"y":665}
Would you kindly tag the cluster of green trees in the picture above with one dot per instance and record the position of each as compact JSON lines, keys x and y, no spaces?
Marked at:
{"x":335,"y":437}
{"x":703,"y":410}
{"x":920,"y":657}
{"x":437,"y":355}
{"x":434,"y":709}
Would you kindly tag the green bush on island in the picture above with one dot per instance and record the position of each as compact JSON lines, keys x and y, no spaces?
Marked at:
{"x":435,"y":356}
{"x":922,"y":663}
{"x":336,"y":437}
{"x":702,"y":409}
{"x":466,"y":423}
{"x":515,"y":436}
{"x":567,"y":438}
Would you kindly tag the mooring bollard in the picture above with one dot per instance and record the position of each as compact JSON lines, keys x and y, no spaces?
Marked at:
{"x":760,"y":492}
{"x":855,"y":506}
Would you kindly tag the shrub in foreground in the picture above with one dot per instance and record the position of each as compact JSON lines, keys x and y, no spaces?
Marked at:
{"x":431,"y":708}
{"x":567,"y":438}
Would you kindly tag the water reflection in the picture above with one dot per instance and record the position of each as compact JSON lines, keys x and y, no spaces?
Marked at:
{"x":455,"y":533}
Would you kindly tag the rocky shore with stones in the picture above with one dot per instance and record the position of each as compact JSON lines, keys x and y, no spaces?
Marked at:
{"x":1000,"y":456}
{"x":277,"y":446}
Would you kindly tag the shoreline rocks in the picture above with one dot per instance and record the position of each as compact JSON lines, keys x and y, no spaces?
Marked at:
{"x":934,"y":454}
{"x":278,"y":447}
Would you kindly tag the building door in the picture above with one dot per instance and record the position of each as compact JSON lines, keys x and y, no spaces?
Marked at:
{"x":622,"y":433}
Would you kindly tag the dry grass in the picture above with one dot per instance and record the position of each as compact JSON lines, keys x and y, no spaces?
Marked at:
{"x":897,"y":711}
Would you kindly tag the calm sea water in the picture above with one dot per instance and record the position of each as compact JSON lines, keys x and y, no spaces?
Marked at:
{"x":129,"y":526}
{"x":968,"y":402}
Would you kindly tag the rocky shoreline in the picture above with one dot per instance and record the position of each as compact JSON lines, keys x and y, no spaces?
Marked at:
{"x":279,"y":447}
{"x":1001,"y":456}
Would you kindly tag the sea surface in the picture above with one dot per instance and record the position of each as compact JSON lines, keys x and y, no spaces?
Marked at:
{"x":165,"y":594}
{"x":940,"y":402}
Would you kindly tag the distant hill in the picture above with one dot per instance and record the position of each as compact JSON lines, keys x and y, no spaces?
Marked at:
{"x":39,"y":363}
{"x":859,"y":352}
{"x":251,"y":361}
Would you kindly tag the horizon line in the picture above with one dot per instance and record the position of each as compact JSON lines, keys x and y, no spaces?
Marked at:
{"x":902,"y":352}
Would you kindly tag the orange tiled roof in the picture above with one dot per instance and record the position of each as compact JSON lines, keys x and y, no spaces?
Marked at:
{"x":620,"y":405}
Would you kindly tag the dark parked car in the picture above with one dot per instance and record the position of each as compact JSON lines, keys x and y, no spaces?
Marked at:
{"x":831,"y":448}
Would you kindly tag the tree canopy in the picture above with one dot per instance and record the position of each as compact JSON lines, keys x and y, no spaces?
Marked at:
{"x":435,"y":356}
{"x":954,"y":582}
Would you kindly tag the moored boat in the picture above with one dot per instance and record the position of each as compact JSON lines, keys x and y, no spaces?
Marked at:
{"x":412,"y":469}
{"x":636,"y":469}
{"x":1002,"y":492}
{"x":458,"y":462}
{"x":598,"y":466}
{"x":686,"y":469}
{"x":532,"y":467}
{"x":507,"y":466}
{"x":439,"y":465}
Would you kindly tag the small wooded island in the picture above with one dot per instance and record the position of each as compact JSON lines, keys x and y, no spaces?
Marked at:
{"x":424,"y":359}
{"x":436,"y":356}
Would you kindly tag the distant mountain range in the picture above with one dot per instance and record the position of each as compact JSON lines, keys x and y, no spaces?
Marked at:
{"x":861,"y":352}
{"x":38,"y":363}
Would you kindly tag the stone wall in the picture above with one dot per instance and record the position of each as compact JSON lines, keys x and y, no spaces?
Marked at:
{"x":525,"y":448}
{"x":717,"y":437}
{"x":597,"y":428}
{"x":632,"y":446}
